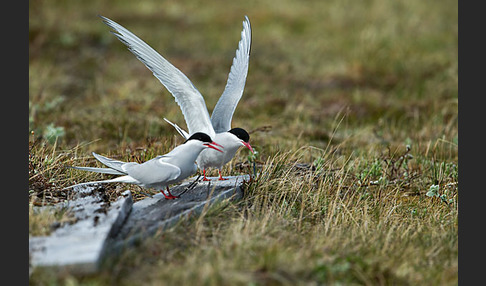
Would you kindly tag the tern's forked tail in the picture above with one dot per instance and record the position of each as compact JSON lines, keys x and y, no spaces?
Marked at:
{"x":122,"y":179}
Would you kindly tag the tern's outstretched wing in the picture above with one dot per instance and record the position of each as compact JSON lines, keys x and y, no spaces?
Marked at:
{"x":185,"y":93}
{"x":226,"y":105}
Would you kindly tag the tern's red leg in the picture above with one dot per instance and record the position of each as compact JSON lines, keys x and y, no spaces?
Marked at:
{"x":204,"y":176}
{"x":221,"y":177}
{"x":166,"y":197}
{"x":170,"y":196}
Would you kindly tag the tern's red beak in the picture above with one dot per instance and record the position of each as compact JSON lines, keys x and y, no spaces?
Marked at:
{"x":247,"y":145}
{"x":214,"y":143}
{"x":211,"y":145}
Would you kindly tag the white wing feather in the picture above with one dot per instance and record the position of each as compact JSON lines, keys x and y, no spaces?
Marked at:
{"x":181,"y":131}
{"x":226,"y":105}
{"x":185,"y":93}
{"x":154,"y":171}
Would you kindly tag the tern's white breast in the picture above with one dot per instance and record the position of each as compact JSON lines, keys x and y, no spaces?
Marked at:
{"x":210,"y":158}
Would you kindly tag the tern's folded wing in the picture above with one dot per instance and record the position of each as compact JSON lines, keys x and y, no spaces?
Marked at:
{"x":153,"y":172}
{"x":113,"y":164}
{"x":226,"y":105}
{"x":185,"y":93}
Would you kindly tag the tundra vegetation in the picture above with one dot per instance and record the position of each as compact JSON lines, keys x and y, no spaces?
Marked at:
{"x":351,"y":105}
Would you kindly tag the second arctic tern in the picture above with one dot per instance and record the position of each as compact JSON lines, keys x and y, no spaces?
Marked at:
{"x":191,"y":101}
{"x":159,"y":172}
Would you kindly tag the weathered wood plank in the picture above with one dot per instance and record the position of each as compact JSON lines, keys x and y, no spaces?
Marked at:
{"x":103,"y":229}
{"x":79,"y":247}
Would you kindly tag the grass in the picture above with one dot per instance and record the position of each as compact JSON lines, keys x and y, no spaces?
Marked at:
{"x":351,"y":106}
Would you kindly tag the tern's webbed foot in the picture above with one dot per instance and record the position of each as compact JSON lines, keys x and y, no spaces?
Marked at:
{"x":170,"y":196}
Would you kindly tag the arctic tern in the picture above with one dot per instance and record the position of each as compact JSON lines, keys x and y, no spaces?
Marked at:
{"x":192,"y":102}
{"x":159,"y":172}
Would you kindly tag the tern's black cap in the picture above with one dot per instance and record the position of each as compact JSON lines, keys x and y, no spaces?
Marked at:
{"x":240,"y":133}
{"x":201,"y":137}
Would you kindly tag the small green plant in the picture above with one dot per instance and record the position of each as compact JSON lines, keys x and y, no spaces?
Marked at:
{"x":53,"y":133}
{"x":445,"y":197}
{"x":371,"y":172}
{"x":318,"y":164}
{"x":252,"y":158}
{"x":433,"y":191}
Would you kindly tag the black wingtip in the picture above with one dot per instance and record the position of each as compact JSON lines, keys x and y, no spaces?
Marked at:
{"x":251,"y":34}
{"x":102,"y":18}
{"x":106,"y":21}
